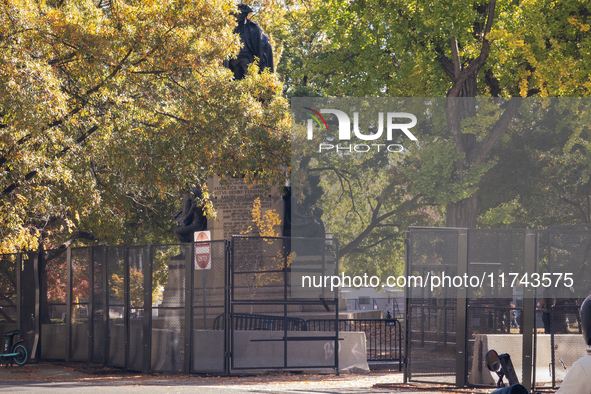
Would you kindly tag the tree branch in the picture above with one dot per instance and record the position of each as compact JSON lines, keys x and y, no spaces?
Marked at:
{"x":375,"y":222}
{"x":32,"y":174}
{"x":479,"y":152}
{"x":475,"y":65}
{"x":53,"y":253}
{"x":456,"y":57}
{"x":113,"y":73}
{"x":365,"y":248}
{"x":576,"y":205}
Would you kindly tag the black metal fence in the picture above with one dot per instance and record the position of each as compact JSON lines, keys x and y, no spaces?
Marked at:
{"x":448,"y":330}
{"x":248,"y":322}
{"x":383,"y":336}
{"x":143,"y":308}
{"x":260,"y":281}
{"x":156,"y":309}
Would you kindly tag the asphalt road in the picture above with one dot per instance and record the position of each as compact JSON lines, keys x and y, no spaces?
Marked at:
{"x":136,"y":386}
{"x":130,"y":387}
{"x":55,"y":378}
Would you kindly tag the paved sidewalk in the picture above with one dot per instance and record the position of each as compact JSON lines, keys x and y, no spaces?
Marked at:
{"x":74,"y":378}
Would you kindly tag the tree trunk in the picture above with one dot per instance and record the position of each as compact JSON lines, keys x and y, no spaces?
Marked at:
{"x":459,"y":106}
{"x":462,"y":213}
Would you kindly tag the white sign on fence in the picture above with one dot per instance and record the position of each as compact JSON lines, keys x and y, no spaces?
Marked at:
{"x":202,"y":250}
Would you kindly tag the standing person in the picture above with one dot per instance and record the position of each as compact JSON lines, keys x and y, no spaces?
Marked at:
{"x":578,"y":378}
{"x":513,"y":314}
{"x":546,"y":305}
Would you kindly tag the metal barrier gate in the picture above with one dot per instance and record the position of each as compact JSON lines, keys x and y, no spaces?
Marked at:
{"x":260,"y":282}
{"x":431,"y":317}
{"x":152,"y":308}
{"x":448,"y":330}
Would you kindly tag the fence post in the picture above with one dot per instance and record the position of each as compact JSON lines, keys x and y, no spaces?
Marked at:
{"x":399,"y":346}
{"x":36,"y":349}
{"x":336,"y":307}
{"x":19,"y":268}
{"x":105,"y":280}
{"x":227,"y":316}
{"x":68,"y":303}
{"x":405,"y":359}
{"x":91,"y":304}
{"x":189,"y":305}
{"x":147,"y":319}
{"x":126,"y":303}
{"x":528,"y":308}
{"x":461,"y":304}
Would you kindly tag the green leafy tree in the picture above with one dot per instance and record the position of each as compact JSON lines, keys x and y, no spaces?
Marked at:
{"x":108,"y":111}
{"x":421,"y":49}
{"x":391,"y":48}
{"x":543,"y":170}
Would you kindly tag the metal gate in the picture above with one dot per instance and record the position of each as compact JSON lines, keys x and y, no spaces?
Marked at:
{"x":447,"y":326}
{"x":449,"y":330}
{"x":158,"y":308}
{"x":266,"y":332}
{"x":432,"y":319}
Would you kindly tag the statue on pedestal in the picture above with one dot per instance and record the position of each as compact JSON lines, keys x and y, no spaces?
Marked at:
{"x":304,"y":219}
{"x":254,"y":43}
{"x":191,"y":217}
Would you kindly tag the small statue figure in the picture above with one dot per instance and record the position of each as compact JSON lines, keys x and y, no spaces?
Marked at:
{"x":254,"y":43}
{"x":191,"y":216}
{"x":304,"y":219}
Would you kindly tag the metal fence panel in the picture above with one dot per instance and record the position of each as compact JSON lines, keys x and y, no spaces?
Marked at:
{"x":116,"y":329}
{"x":558,"y":333}
{"x":260,"y":279}
{"x":99,"y":316}
{"x":80,"y":325}
{"x":8,"y":293}
{"x":431,"y":315}
{"x":168,"y":302}
{"x":138,"y":257}
{"x":53,"y":309}
{"x":29,"y":314}
{"x":208,"y":309}
{"x":497,"y":310}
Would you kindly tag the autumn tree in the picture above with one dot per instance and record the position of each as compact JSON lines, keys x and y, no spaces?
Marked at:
{"x":108,"y":111}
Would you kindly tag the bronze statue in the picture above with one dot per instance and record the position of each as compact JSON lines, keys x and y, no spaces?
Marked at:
{"x":304,"y":218}
{"x":254,"y":43}
{"x":191,"y":217}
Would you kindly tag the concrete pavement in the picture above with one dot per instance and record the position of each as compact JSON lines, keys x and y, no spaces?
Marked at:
{"x":73,"y":378}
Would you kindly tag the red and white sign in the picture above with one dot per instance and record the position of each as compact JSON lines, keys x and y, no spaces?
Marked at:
{"x":202,"y":250}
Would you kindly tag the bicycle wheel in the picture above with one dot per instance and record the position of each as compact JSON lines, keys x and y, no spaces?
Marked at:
{"x":21,"y":354}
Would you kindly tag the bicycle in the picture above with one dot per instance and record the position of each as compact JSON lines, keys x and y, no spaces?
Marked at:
{"x":17,"y":353}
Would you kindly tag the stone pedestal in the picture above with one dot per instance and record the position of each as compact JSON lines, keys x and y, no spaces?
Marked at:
{"x":234,"y":202}
{"x":174,"y":291}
